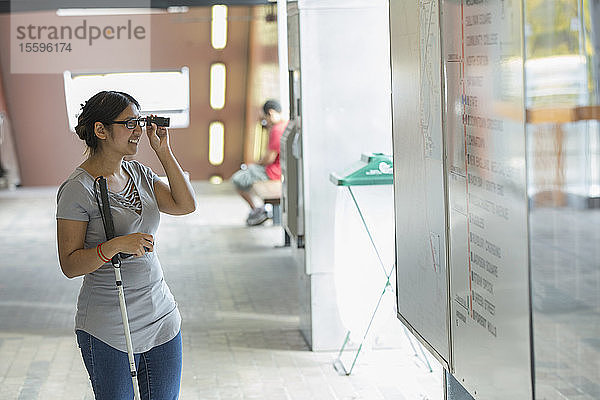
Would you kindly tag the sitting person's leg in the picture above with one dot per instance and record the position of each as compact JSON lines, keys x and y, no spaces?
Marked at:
{"x":243,"y":181}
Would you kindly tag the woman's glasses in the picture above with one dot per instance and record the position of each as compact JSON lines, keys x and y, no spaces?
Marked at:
{"x":132,"y":123}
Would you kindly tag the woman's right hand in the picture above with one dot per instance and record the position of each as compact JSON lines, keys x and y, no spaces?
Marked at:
{"x":132,"y":244}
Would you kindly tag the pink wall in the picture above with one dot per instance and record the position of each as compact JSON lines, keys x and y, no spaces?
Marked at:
{"x":48,"y":152}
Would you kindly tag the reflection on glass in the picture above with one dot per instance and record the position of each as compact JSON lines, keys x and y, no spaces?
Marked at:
{"x":564,"y":195}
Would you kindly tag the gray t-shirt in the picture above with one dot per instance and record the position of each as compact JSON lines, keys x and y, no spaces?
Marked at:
{"x":153,"y":315}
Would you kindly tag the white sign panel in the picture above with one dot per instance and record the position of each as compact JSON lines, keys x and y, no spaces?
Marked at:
{"x":422,"y":273}
{"x":485,"y":135}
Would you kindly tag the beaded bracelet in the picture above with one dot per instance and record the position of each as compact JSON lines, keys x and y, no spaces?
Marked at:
{"x":101,"y":254}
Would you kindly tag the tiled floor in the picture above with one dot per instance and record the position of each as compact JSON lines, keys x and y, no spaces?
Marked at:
{"x":236,"y":293}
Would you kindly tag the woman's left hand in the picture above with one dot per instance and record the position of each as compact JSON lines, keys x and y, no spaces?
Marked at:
{"x":158,"y":137}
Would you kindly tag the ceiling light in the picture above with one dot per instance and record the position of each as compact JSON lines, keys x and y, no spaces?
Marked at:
{"x":84,"y":12}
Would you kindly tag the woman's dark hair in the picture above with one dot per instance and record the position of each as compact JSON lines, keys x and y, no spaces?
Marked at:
{"x":102,"y":107}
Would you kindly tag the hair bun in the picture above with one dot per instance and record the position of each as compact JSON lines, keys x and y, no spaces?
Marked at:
{"x":80,"y":130}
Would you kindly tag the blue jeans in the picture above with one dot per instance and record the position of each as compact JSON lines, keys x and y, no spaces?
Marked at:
{"x":158,"y":369}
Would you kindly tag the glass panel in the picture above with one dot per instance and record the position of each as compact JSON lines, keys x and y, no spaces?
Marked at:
{"x":563,"y":188}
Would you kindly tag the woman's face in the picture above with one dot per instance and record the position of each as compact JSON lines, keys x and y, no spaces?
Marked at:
{"x":124,"y":140}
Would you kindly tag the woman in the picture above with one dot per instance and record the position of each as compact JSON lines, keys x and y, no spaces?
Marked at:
{"x":111,"y":126}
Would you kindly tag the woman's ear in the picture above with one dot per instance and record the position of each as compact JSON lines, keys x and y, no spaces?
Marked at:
{"x":100,"y":130}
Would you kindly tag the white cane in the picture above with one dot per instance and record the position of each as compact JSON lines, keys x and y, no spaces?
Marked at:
{"x":109,"y":230}
{"x":116,"y":262}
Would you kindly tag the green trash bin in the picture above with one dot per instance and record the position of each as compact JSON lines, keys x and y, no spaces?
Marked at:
{"x":372,"y":169}
{"x":364,"y":255}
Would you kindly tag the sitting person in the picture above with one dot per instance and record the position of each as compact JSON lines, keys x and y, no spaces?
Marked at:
{"x":266,"y":168}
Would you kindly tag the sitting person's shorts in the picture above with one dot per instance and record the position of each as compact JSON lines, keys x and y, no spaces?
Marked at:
{"x":245,"y":178}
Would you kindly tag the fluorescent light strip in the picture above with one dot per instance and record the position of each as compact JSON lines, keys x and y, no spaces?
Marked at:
{"x":85,"y":12}
{"x":216,"y":143}
{"x":217,"y":85}
{"x":219,"y":27}
{"x":178,"y":9}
